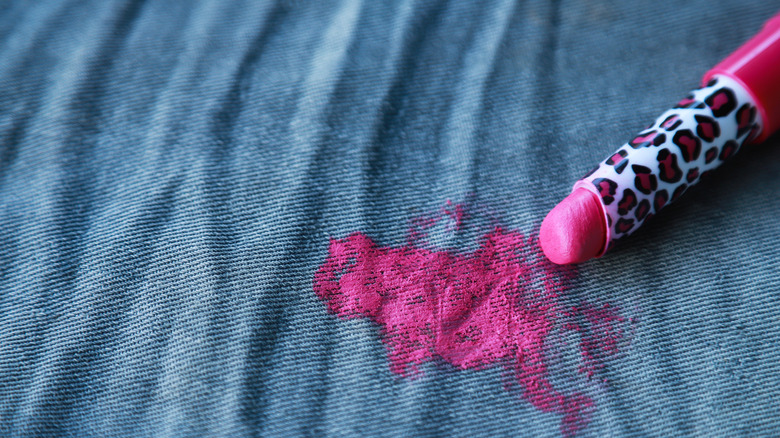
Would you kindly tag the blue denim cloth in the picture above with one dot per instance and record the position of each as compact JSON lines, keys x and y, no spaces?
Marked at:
{"x":171,"y":173}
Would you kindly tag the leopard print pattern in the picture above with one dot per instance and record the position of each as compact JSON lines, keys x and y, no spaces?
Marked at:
{"x":683,"y":146}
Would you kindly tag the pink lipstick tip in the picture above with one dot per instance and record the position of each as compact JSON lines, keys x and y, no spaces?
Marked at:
{"x":575,"y":230}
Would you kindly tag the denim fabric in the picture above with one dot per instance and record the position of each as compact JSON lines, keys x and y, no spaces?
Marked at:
{"x":171,"y":173}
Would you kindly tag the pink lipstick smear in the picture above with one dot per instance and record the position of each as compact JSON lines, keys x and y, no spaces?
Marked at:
{"x":498,"y":305}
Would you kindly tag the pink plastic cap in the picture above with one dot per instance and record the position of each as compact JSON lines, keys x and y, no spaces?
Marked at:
{"x":756,"y":65}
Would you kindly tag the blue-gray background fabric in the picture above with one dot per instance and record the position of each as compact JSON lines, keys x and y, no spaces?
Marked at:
{"x":171,"y":172}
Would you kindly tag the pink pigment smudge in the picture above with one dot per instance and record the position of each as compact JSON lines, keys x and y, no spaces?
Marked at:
{"x":602,"y":333}
{"x":495,"y":306}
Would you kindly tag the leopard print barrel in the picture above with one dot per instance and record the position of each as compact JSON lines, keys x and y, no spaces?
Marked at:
{"x":683,"y":146}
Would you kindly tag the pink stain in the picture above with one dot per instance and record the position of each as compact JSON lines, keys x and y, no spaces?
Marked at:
{"x":602,"y":337}
{"x":497,"y":305}
{"x":456,"y":212}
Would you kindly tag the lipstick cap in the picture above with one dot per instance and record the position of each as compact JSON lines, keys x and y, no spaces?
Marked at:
{"x":756,"y":65}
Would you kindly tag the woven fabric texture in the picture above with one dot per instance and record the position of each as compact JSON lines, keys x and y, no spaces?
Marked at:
{"x":175,"y":174}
